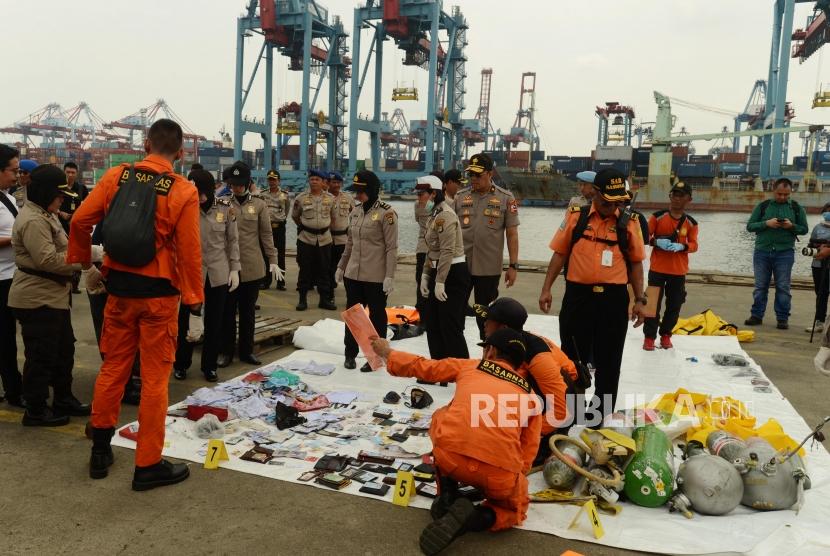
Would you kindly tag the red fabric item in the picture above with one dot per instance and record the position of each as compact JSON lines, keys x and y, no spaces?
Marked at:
{"x":196,"y":412}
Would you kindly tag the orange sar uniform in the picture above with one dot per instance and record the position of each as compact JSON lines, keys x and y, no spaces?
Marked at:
{"x":593,"y":320}
{"x":475,"y":451}
{"x":668,"y":269}
{"x":142,"y":309}
{"x":546,"y":366}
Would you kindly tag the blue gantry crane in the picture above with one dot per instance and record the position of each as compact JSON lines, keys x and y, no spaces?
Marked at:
{"x":415,"y":26}
{"x":302,"y":31}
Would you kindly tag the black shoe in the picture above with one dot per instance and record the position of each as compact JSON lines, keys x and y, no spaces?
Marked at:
{"x":179,"y":374}
{"x":281,"y":287}
{"x":161,"y":474}
{"x":211,"y":376}
{"x":350,"y":363}
{"x":44,"y":418}
{"x":102,"y":457}
{"x":303,"y":304}
{"x":782,"y":325}
{"x":264,"y":286}
{"x":70,"y":405}
{"x":327,"y":304}
{"x":15,"y":401}
{"x":257,"y":307}
{"x":366,"y":368}
{"x":250,"y":359}
{"x":76,"y":290}
{"x":223,"y":361}
{"x":132,"y":395}
{"x":449,"y":494}
{"x":439,"y":534}
{"x":753,"y":321}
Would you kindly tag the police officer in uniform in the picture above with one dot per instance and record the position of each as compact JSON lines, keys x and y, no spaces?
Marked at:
{"x":593,"y":320}
{"x":487,"y":214}
{"x":24,"y":178}
{"x":278,"y":207}
{"x":220,"y":272}
{"x":254,"y":236}
{"x":445,"y":282}
{"x":585,"y":181}
{"x":423,"y":209}
{"x":313,"y":212}
{"x":344,"y":204}
{"x":370,"y":258}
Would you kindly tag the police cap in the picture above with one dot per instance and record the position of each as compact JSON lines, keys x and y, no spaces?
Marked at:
{"x":504,"y":310}
{"x":238,"y":173}
{"x":273,"y":174}
{"x":610,"y":184}
{"x":365,"y":179}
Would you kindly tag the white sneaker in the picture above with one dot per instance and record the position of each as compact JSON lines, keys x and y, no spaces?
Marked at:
{"x":819,"y":327}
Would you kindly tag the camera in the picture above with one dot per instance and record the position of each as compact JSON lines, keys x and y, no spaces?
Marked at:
{"x":809,"y":251}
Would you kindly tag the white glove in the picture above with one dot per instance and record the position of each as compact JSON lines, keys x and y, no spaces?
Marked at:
{"x":93,"y":280}
{"x":233,"y":280}
{"x":97,"y":254}
{"x":821,"y":360}
{"x":440,"y":292}
{"x":277,"y":273}
{"x":195,"y":328}
{"x":424,"y":286}
{"x":338,"y":275}
{"x":388,"y":285}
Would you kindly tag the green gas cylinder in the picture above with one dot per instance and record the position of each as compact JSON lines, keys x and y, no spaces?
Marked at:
{"x":649,"y":476}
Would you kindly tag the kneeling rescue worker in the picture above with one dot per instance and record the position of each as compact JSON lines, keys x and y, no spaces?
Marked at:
{"x":486,"y":437}
{"x":142,"y":309}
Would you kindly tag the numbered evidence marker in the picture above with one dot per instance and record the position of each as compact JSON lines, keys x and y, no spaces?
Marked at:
{"x":593,"y":516}
{"x":403,"y":488}
{"x":216,"y":452}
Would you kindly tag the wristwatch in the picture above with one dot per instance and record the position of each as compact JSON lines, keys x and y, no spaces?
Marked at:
{"x":643,"y":300}
{"x":514,"y":266}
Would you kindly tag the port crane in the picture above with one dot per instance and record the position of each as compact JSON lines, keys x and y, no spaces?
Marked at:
{"x":616,"y":115}
{"x":524,"y":128}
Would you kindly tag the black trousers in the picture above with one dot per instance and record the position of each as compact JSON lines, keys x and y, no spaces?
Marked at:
{"x":420,"y":302}
{"x":314,"y":262}
{"x":213,"y":310}
{"x":445,"y":319}
{"x":592,"y":326}
{"x":242,"y":299}
{"x":336,"y":253}
{"x":10,"y":375}
{"x":673,"y":290}
{"x":49,"y":345}
{"x":369,"y":294}
{"x":278,"y":234}
{"x":485,"y":289}
{"x":821,"y":285}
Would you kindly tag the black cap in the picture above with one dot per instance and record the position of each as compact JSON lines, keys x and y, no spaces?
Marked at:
{"x":237,"y":174}
{"x":48,"y":182}
{"x":504,"y":310}
{"x":454,"y":175}
{"x":682,"y":187}
{"x":509,"y":342}
{"x":480,"y":163}
{"x":610,"y":184}
{"x":273,"y":174}
{"x":365,"y":179}
{"x":203,"y":180}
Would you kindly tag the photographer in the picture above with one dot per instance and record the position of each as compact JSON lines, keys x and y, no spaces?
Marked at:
{"x":819,"y":249}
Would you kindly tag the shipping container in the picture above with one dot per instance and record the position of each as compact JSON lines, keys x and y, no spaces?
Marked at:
{"x":518,"y":155}
{"x":681,"y":152}
{"x":821,"y":156}
{"x":732,"y":157}
{"x":619,"y":165}
{"x":696,"y":170}
{"x":701,"y":158}
{"x":412,"y":165}
{"x":800,"y":163}
{"x":537,"y":155}
{"x":731,"y":168}
{"x":642,"y":155}
{"x":516,"y":163}
{"x":641,"y":170}
{"x":616,"y":153}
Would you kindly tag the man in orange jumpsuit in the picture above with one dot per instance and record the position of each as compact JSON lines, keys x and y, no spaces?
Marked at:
{"x":552,"y":375}
{"x":142,"y":309}
{"x":486,"y":437}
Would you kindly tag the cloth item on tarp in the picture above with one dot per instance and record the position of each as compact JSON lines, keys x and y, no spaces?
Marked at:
{"x":318,"y":402}
{"x":730,"y":360}
{"x":283,"y":378}
{"x":707,"y":323}
{"x":209,"y":427}
{"x":287,"y":417}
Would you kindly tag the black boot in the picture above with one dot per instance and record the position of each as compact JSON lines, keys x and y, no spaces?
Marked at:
{"x":326,"y":303}
{"x":439,"y":534}
{"x":303,"y":304}
{"x":448,"y":489}
{"x":68,"y":404}
{"x":161,"y":474}
{"x":102,"y":457}
{"x":43,"y":417}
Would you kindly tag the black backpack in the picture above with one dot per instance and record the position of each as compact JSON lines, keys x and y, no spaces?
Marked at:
{"x":622,"y":239}
{"x":129,"y":227}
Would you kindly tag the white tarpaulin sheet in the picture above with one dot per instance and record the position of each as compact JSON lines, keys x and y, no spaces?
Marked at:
{"x":644,"y":374}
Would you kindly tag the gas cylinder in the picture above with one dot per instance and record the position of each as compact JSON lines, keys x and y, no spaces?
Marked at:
{"x":725,"y":445}
{"x":769,"y":484}
{"x":556,"y":472}
{"x":649,"y":476}
{"x":707,"y":484}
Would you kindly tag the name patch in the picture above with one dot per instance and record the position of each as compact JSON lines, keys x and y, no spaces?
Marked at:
{"x":494,"y":369}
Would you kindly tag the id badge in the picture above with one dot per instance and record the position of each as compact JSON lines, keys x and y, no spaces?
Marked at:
{"x":607,"y":257}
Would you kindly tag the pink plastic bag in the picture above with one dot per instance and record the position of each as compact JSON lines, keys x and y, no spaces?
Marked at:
{"x":362,"y":329}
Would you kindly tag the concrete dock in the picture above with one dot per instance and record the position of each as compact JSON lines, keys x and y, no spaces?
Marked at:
{"x":49,"y":505}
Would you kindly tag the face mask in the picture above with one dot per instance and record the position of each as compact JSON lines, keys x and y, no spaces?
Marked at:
{"x":826,"y":216}
{"x":429,"y":206}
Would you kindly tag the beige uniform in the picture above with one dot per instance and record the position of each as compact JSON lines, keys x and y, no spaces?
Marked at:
{"x":372,"y":248}
{"x":254,"y":236}
{"x":40,"y":246}
{"x":313,"y":215}
{"x":484,"y":217}
{"x":220,"y":243}
{"x":278,"y":206}
{"x":20,"y":195}
{"x":444,"y":241}
{"x":578,"y":201}
{"x":344,"y":203}
{"x":421,"y":217}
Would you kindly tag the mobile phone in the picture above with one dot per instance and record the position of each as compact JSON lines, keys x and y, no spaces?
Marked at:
{"x":780,"y":219}
{"x":382,"y":413}
{"x":427,"y":489}
{"x":375,"y":488}
{"x":404,"y":466}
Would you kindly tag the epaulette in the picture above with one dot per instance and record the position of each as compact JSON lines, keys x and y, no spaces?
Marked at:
{"x":575,"y":208}
{"x":463,"y":191}
{"x":223,"y":201}
{"x":691,"y":219}
{"x":501,"y":189}
{"x":384,"y":205}
{"x":659,"y":213}
{"x":634,"y":216}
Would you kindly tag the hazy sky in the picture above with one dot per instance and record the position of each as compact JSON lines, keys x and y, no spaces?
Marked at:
{"x":120,"y":55}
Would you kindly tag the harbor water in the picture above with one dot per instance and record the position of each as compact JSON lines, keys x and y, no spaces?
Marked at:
{"x":725,"y":245}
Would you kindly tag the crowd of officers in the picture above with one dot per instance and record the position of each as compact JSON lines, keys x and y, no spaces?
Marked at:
{"x":343,"y":237}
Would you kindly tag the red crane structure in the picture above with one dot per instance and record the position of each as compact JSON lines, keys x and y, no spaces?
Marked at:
{"x":524,"y":128}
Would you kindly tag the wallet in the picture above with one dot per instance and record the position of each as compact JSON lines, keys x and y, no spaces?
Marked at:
{"x":333,"y":480}
{"x":331,"y":463}
{"x":375,"y":488}
{"x":374,"y":457}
